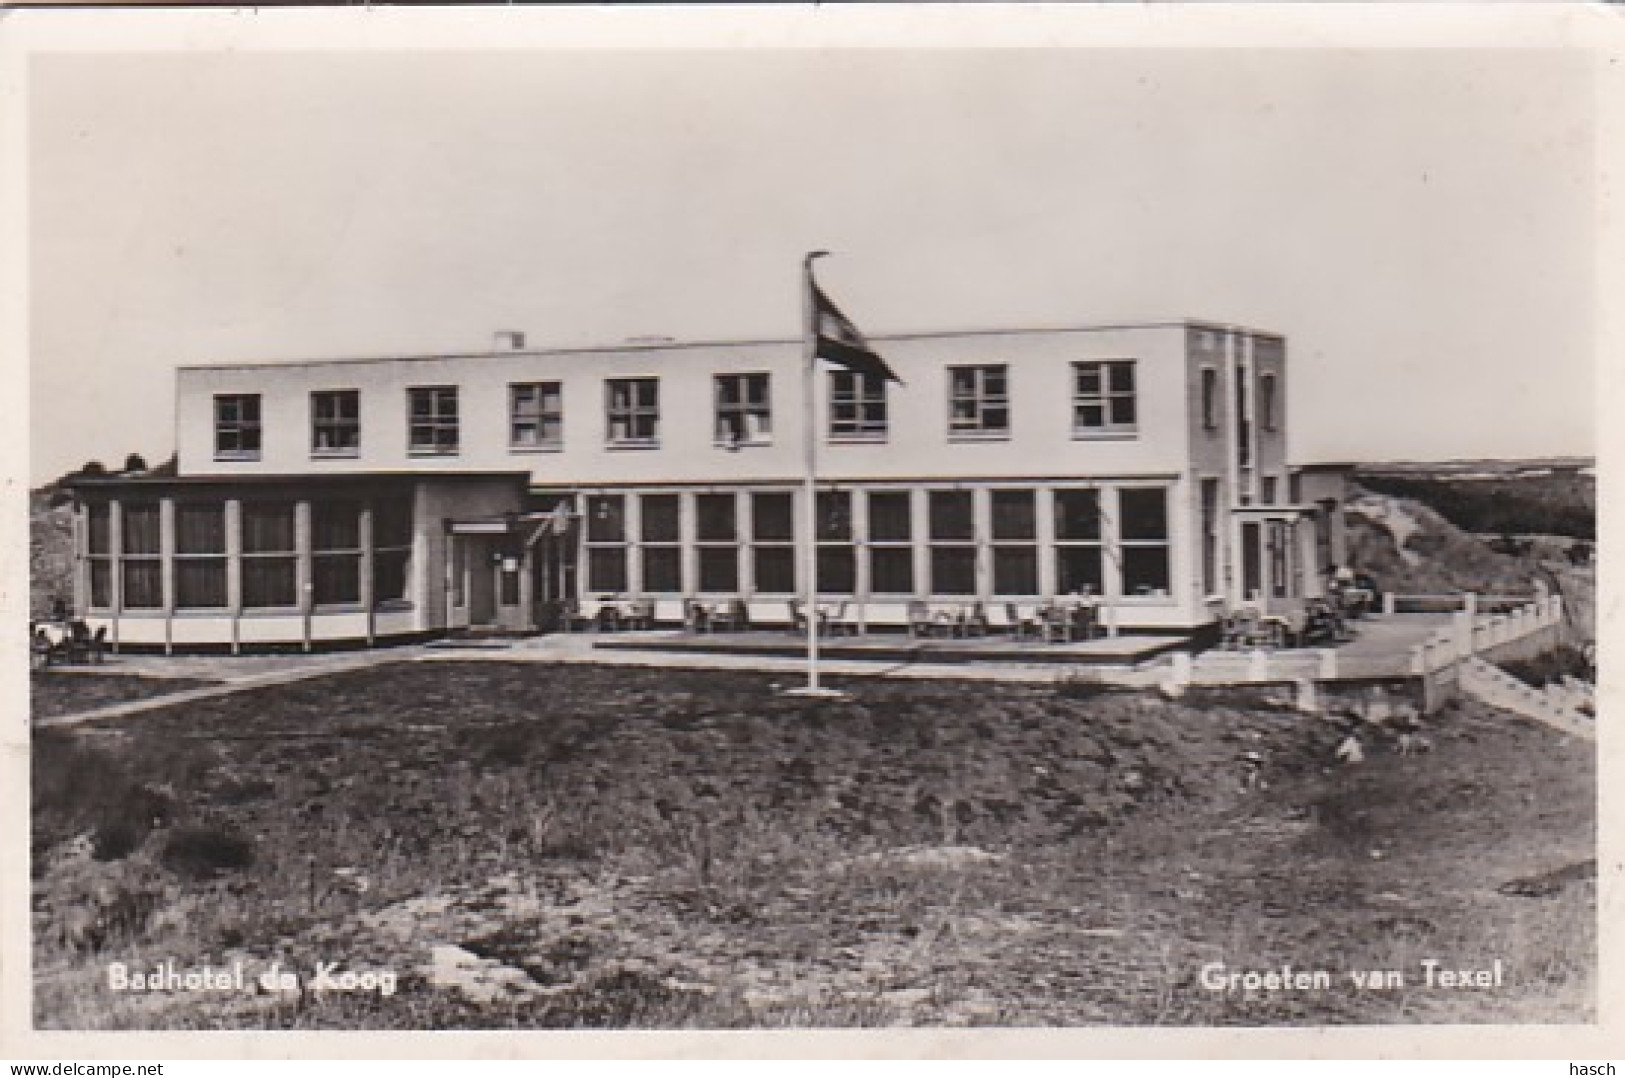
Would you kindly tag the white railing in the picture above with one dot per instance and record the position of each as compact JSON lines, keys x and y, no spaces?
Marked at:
{"x":1495,"y":686}
{"x":1470,"y":633}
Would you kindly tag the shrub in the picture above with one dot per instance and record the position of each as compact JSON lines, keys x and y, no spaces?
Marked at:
{"x":1550,"y":667}
{"x":202,"y":852}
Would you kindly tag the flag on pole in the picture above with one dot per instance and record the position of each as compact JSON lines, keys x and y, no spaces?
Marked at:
{"x":838,"y":341}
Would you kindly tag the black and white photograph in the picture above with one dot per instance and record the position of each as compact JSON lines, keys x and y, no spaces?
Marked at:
{"x":690,"y":522}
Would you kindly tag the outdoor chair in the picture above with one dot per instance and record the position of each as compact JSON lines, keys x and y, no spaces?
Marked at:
{"x":40,"y":649}
{"x":730,"y":617}
{"x":571,"y":618}
{"x":834,"y":620}
{"x":609,"y":617}
{"x":1066,"y":624}
{"x":920,"y":621}
{"x":697,"y":617}
{"x":973,"y":621}
{"x":1246,"y":629}
{"x":1021,"y":623}
{"x":84,"y":646}
{"x":640,"y":614}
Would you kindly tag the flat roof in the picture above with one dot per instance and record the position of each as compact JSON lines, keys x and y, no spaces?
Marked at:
{"x":292,"y":478}
{"x":639,"y":344}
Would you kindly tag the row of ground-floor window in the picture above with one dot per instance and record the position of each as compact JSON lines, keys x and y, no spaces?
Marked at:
{"x":1007,"y":541}
{"x":246,"y":555}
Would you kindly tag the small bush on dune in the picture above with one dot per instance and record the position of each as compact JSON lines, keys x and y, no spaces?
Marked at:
{"x":203,"y":852}
{"x":1550,"y":667}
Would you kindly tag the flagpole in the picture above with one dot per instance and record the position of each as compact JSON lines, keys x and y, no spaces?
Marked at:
{"x":809,"y":529}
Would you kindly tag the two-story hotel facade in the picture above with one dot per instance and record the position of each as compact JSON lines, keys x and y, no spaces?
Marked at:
{"x":366,"y":500}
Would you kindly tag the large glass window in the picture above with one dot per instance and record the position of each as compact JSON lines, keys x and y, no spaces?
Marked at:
{"x":99,"y":549}
{"x":953,"y":542}
{"x":1103,"y":398}
{"x":392,"y":548}
{"x":837,"y":559}
{"x":1015,"y":542}
{"x":891,"y":546}
{"x":1210,"y":398}
{"x":606,"y":543}
{"x":200,"y":556}
{"x":744,"y":410}
{"x":857,"y":407}
{"x":1266,"y":401}
{"x":536,"y":415}
{"x":269,"y":556}
{"x":979,"y":401}
{"x":1079,"y":566}
{"x":1210,"y":536}
{"x":632,"y":411}
{"x":661,"y":550}
{"x":335,"y":423}
{"x":142,"y":564}
{"x":432,"y":420}
{"x":237,"y":426}
{"x":773,"y":549}
{"x":1244,"y":427}
{"x":716,"y":530}
{"x":335,"y":542}
{"x":1143,"y":529}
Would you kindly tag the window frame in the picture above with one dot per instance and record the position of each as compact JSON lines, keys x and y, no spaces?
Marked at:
{"x":1268,"y":401}
{"x":248,"y":432}
{"x":1005,"y":548}
{"x":776,"y":547}
{"x":878,"y":547}
{"x":661,"y":546}
{"x":1210,"y":398}
{"x":330,"y":555}
{"x":1064,"y":546}
{"x":385,"y":553}
{"x":975,"y":425}
{"x":634,"y":412}
{"x":288,"y":556}
{"x":336,"y":425}
{"x":717,"y":551}
{"x":538,"y":416}
{"x":215,"y":559}
{"x":865,"y":395}
{"x":602,"y":507}
{"x":1105,"y":398}
{"x":1164,"y":543}
{"x":733,"y":420}
{"x":437,"y":421}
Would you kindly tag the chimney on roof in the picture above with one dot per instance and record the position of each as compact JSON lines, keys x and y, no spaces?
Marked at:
{"x":510,"y":340}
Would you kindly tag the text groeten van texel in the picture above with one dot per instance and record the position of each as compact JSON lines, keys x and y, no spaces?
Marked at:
{"x":1429,"y":973}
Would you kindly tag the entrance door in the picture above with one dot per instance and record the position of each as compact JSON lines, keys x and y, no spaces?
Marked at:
{"x":1252,"y":561}
{"x":480,"y":581}
{"x":552,"y":566}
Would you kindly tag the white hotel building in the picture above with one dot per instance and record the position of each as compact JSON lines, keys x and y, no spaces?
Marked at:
{"x":361,"y":501}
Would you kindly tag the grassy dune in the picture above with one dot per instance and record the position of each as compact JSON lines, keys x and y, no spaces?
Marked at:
{"x":623,"y":848}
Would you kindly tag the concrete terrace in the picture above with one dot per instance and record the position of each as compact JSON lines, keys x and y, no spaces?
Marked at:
{"x":1381,"y":648}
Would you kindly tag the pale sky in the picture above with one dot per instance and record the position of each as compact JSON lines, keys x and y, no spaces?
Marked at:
{"x":1419,"y":223}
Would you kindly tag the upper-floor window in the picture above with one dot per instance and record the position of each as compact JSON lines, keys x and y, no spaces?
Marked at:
{"x":237,"y":426}
{"x":335,"y":423}
{"x":744,"y":413}
{"x":857,"y":406}
{"x":432,"y":419}
{"x":1103,"y":397}
{"x":979,"y":401}
{"x":536,"y":415}
{"x":1266,"y":401}
{"x":1210,"y":398}
{"x":633,"y":410}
